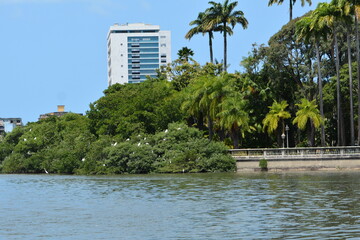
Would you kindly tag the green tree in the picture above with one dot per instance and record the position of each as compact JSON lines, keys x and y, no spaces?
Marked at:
{"x":276,"y":114}
{"x":198,"y":100}
{"x":347,"y":19}
{"x":184,"y":149}
{"x":329,"y":15}
{"x":291,"y":5}
{"x":57,"y":144}
{"x":234,"y":117}
{"x":223,"y":16}
{"x":185,"y":54}
{"x":204,"y":96}
{"x":356,"y":13}
{"x":308,"y":117}
{"x":201,"y":28}
{"x":307,"y":30}
{"x":135,"y":108}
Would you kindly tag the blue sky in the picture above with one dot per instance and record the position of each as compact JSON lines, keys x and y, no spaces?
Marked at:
{"x":53,"y":52}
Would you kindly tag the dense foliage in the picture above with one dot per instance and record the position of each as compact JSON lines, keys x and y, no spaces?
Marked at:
{"x":302,"y":82}
{"x":133,"y":128}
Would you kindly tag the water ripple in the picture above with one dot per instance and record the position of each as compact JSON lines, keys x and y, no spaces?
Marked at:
{"x":185,"y":206}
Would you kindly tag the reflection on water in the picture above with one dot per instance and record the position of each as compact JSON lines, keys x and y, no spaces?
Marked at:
{"x":185,"y":206}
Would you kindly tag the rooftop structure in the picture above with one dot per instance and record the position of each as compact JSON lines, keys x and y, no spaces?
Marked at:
{"x":60,"y":112}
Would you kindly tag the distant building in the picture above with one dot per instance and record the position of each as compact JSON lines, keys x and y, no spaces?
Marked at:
{"x":135,"y":51}
{"x":60,"y":112}
{"x":12,"y":121}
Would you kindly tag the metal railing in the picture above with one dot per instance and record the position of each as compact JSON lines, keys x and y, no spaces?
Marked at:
{"x":294,"y":152}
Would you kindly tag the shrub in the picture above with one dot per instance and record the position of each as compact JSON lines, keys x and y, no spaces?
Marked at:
{"x":263,"y":164}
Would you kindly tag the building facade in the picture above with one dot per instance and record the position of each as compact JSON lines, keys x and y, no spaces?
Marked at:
{"x":5,"y":122}
{"x":135,"y":51}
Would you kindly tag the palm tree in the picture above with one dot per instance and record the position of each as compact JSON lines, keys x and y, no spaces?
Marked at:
{"x":356,"y":13}
{"x":346,"y":17}
{"x":199,"y":101}
{"x":329,"y":15}
{"x":200,"y":28}
{"x":185,"y":53}
{"x":204,"y":96}
{"x":223,"y":15}
{"x":233,"y":117}
{"x":354,"y":8}
{"x":308,"y":116}
{"x":308,"y":30}
{"x":292,"y":3}
{"x":276,"y":114}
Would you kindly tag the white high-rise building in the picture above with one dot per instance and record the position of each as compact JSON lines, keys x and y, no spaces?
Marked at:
{"x":135,"y":51}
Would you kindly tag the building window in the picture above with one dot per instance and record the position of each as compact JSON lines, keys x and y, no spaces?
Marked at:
{"x":163,"y":55}
{"x":163,"y":45}
{"x":163,"y":37}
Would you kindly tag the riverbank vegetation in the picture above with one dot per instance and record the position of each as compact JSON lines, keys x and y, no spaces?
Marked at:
{"x":298,"y":90}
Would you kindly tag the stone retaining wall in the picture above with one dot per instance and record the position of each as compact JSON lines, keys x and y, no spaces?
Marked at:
{"x":299,"y":164}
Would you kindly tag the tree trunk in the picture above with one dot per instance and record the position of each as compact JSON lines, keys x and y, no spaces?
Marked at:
{"x":200,"y":122}
{"x":279,"y":140}
{"x":352,"y":131}
{"x":290,"y":9}
{"x":320,"y":93}
{"x":358,"y":72}
{"x":225,"y":48}
{"x":235,"y":136}
{"x":210,"y":46}
{"x":210,"y":127}
{"x":310,"y":133}
{"x":338,"y":100}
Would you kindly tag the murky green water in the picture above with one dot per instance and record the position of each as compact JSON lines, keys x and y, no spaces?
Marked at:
{"x":191,"y":206}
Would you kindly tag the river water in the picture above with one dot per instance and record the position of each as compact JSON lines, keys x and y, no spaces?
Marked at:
{"x":312,"y":205}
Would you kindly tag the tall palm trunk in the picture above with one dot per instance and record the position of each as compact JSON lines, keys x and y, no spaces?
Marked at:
{"x":235,"y":136}
{"x":338,"y":100}
{"x":358,"y":71}
{"x":211,"y":127}
{"x":352,"y":132}
{"x":310,"y":134}
{"x":225,"y":48}
{"x":210,"y":47}
{"x":320,"y":93}
{"x":291,"y":8}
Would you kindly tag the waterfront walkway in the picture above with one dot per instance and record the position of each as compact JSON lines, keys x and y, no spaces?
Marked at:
{"x":310,"y":158}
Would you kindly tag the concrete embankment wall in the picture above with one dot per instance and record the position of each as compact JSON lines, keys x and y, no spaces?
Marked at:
{"x":300,"y":164}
